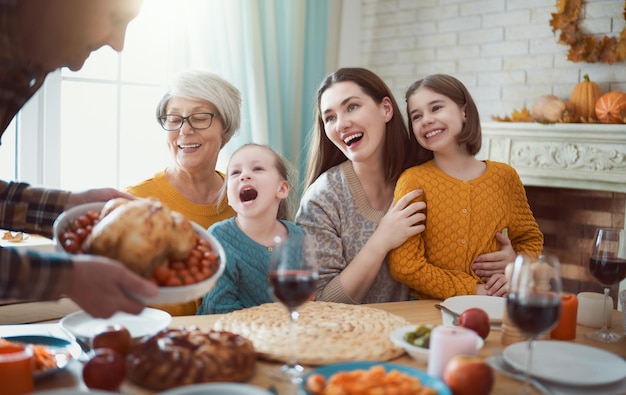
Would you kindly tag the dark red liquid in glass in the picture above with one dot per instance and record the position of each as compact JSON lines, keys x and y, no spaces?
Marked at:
{"x":533,"y":314}
{"x":293,"y":287}
{"x":607,"y":270}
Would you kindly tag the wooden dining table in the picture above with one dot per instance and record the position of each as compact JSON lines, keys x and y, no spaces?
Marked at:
{"x":422,"y":311}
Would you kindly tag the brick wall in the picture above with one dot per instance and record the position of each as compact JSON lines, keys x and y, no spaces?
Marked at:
{"x":568,"y":219}
{"x":503,"y":50}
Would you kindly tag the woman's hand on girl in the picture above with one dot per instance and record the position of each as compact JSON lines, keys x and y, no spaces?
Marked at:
{"x":492,"y":263}
{"x":403,"y":220}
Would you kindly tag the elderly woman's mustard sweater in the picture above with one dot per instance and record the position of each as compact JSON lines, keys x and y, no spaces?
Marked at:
{"x":204,"y":215}
{"x":462,"y":218}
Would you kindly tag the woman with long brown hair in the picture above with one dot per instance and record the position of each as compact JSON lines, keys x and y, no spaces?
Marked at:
{"x":360,"y":146}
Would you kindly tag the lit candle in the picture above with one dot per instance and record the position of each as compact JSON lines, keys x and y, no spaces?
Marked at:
{"x":445,"y":343}
{"x":590,"y":309}
{"x":565,"y":328}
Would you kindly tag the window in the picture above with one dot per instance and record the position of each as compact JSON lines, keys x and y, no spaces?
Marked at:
{"x":8,"y":168}
{"x":99,"y":127}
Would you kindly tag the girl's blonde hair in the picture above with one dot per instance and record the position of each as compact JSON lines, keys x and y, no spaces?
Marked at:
{"x":284,"y":169}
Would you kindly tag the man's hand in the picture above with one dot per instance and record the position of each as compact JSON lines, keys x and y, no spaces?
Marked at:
{"x":95,"y":195}
{"x":101,"y":286}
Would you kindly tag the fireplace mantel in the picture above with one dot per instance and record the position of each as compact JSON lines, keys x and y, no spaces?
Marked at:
{"x":579,"y":156}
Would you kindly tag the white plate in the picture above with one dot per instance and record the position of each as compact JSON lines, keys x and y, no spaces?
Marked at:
{"x":493,"y":305}
{"x":70,"y":391}
{"x":63,"y":350}
{"x":217,"y":389}
{"x":568,"y":363}
{"x":166,"y":295}
{"x":148,"y":322}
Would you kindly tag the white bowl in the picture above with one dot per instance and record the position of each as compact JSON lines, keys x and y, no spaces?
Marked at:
{"x":420,"y":354}
{"x":166,"y":295}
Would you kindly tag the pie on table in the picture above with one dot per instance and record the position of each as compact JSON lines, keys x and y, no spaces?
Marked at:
{"x":327,"y":332}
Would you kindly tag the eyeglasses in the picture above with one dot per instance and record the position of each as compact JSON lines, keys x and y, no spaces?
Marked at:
{"x":201,"y":120}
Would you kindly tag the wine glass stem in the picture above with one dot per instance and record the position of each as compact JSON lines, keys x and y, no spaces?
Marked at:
{"x":529,"y":366}
{"x":293,"y":333}
{"x":605,"y":327}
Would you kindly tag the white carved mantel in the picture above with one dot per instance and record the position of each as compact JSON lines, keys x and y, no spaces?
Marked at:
{"x":563,"y":155}
{"x":579,"y":156}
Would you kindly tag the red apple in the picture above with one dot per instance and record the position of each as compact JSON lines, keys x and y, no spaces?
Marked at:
{"x":106,"y":370}
{"x":477,"y":320}
{"x":115,"y":337}
{"x":468,"y":375}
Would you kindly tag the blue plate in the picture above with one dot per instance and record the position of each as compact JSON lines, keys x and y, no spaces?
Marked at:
{"x":60,"y":347}
{"x":328,"y":370}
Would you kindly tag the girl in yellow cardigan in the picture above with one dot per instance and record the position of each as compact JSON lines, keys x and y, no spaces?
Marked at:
{"x":469,"y":201}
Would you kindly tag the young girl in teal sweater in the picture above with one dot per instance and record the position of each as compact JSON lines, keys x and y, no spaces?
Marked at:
{"x":257,"y":187}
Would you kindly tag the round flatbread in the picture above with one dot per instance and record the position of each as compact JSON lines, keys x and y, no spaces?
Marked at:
{"x":327,"y":332}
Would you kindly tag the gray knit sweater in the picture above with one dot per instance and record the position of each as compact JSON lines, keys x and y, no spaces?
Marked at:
{"x":336,"y":211}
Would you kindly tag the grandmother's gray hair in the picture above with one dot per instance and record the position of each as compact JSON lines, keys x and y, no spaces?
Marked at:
{"x":207,"y":86}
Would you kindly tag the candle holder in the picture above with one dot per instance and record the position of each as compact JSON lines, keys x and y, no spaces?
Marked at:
{"x":16,"y":369}
{"x":447,"y":342}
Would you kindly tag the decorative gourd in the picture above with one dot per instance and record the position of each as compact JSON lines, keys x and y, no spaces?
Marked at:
{"x":611,"y":107}
{"x":584,"y":98}
{"x":549,"y":109}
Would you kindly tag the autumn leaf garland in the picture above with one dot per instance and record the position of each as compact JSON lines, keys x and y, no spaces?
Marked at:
{"x":586,"y":47}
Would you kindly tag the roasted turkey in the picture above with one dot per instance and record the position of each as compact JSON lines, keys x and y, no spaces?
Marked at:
{"x":142,"y":233}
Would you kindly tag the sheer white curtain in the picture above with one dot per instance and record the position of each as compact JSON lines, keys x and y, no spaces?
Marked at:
{"x":96,"y":127}
{"x":264,"y":48}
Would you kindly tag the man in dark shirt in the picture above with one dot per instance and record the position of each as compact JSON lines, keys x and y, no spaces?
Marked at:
{"x":36,"y":38}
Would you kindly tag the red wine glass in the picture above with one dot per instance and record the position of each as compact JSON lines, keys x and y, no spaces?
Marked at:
{"x":534,"y":301}
{"x":607,"y":264}
{"x":292,"y":278}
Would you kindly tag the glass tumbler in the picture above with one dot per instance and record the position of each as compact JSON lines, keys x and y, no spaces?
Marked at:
{"x":16,"y":369}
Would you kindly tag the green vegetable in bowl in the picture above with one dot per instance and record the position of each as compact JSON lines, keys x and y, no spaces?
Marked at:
{"x":420,"y":337}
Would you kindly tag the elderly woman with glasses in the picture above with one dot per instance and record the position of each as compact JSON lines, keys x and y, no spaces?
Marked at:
{"x":199,"y":113}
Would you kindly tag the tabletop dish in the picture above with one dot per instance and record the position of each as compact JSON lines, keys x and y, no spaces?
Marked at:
{"x":147,"y":323}
{"x":330,"y":332}
{"x":568,"y":363}
{"x":217,"y":389}
{"x":30,"y":242}
{"x":63,"y":350}
{"x":420,"y":354}
{"x":328,"y":370}
{"x":166,"y":295}
{"x":494,"y":306}
{"x":70,"y":391}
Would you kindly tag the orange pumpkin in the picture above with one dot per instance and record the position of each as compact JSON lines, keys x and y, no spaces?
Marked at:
{"x":611,"y":107}
{"x":584,"y":98}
